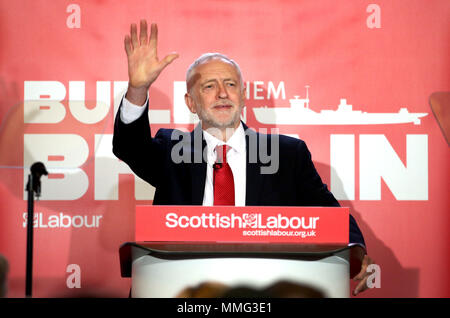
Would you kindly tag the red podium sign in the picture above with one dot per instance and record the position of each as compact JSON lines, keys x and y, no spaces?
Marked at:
{"x":308,"y":225}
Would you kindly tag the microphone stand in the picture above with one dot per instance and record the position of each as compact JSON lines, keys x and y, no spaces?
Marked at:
{"x":33,"y":187}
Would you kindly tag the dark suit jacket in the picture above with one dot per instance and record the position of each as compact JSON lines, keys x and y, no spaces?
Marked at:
{"x":296,"y":182}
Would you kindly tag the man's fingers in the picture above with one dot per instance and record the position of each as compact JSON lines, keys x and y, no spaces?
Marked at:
{"x":362,"y":286}
{"x":367,"y":260}
{"x":153,"y":37}
{"x":365,"y":263}
{"x":143,"y":64}
{"x":127,"y":43}
{"x":143,"y":32}
{"x":133,"y":32}
{"x":361,"y":274}
{"x":166,"y":61}
{"x":169,"y":59}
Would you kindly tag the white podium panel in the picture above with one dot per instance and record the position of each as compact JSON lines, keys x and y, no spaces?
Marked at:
{"x":164,"y":269}
{"x":153,"y":277}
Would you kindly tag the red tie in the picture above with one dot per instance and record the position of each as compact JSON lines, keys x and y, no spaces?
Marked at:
{"x":223,"y":178}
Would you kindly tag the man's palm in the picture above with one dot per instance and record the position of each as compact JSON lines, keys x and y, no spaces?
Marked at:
{"x":144,"y":66}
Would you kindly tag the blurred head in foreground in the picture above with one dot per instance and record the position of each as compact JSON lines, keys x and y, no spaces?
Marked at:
{"x":281,"y":289}
{"x":3,"y":276}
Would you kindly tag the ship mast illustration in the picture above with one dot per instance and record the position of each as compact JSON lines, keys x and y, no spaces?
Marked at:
{"x":299,"y":113}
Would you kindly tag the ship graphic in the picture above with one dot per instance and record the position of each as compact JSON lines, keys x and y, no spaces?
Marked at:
{"x":299,"y":113}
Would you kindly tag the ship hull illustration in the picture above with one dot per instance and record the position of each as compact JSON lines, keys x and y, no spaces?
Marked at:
{"x":299,"y":113}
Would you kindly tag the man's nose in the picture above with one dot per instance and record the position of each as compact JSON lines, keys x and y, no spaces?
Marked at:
{"x":222,"y":93}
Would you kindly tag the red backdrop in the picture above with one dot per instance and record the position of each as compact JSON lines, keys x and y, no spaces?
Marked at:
{"x":63,"y":67}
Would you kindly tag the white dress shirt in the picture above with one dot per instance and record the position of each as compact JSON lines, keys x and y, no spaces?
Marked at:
{"x":129,"y":112}
{"x":236,"y":156}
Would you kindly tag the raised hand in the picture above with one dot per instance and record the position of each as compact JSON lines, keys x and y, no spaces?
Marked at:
{"x":144,"y":66}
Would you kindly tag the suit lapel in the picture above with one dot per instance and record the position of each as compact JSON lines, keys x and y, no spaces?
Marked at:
{"x":254,"y":179}
{"x":198,"y":166}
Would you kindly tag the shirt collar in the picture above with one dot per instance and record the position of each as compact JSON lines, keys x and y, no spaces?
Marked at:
{"x":236,"y":141}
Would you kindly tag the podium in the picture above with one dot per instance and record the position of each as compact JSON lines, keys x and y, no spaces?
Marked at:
{"x":165,"y":259}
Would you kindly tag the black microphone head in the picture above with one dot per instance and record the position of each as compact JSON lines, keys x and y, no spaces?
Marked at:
{"x":38,"y":169}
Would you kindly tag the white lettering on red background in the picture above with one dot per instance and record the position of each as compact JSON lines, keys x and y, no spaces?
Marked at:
{"x":255,"y":220}
{"x":43,"y":104}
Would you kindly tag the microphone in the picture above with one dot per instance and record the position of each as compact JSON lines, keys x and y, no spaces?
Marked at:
{"x":33,"y":187}
{"x":37,"y":170}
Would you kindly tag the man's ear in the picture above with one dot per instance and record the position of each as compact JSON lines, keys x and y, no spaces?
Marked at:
{"x":190,"y":103}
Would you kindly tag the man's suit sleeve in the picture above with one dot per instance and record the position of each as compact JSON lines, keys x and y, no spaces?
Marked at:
{"x":313,"y":192}
{"x":133,"y":144}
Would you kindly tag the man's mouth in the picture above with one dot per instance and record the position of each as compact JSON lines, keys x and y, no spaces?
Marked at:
{"x":225,"y":106}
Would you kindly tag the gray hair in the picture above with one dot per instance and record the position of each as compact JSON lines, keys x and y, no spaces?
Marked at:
{"x":212,"y":56}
